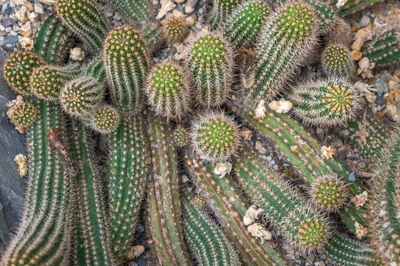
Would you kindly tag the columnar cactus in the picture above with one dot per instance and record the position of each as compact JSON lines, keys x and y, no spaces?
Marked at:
{"x":210,"y":62}
{"x":325,"y":103}
{"x":126,"y":64}
{"x":128,"y":169}
{"x":81,"y":96}
{"x":285,"y":41}
{"x":23,"y":114}
{"x":85,"y":19}
{"x":105,"y":119}
{"x":164,"y":210}
{"x":95,"y":69}
{"x":215,"y":137}
{"x":18,"y":69}
{"x":245,"y":24}
{"x":43,"y":237}
{"x":221,"y":10}
{"x":328,"y":193}
{"x":168,"y":90}
{"x":137,"y":10}
{"x":181,"y":136}
{"x":174,"y":29}
{"x":206,"y":239}
{"x":385,"y":50}
{"x":336,"y":60}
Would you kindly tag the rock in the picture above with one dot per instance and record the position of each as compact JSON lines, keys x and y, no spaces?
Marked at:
{"x":48,"y":2}
{"x":27,"y":43}
{"x":189,"y":10}
{"x":364,"y":21}
{"x":166,"y":6}
{"x":38,"y":8}
{"x":7,"y":22}
{"x":76,"y":54}
{"x":381,"y":85}
{"x":11,"y":39}
{"x":179,"y":1}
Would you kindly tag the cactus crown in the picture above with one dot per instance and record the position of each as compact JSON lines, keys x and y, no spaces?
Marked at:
{"x":23,"y":114}
{"x":312,"y":232}
{"x":215,"y":137}
{"x":181,"y":136}
{"x":328,"y":193}
{"x":18,"y":68}
{"x":46,"y":82}
{"x":209,"y":50}
{"x":106,"y":119}
{"x":336,"y":60}
{"x":174,"y":29}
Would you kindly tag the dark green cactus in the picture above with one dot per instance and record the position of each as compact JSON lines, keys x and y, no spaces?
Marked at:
{"x":336,"y":60}
{"x":95,"y":69}
{"x":221,"y":10}
{"x":137,"y":10}
{"x":105,"y":119}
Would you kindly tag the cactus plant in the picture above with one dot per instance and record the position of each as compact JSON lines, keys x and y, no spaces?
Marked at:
{"x":23,"y":114}
{"x":210,"y":62}
{"x":126,"y":63}
{"x":328,"y":193}
{"x":221,"y":10}
{"x":325,"y":103}
{"x":18,"y":68}
{"x":95,"y":69}
{"x":336,"y":60}
{"x":85,"y":19}
{"x":385,"y":50}
{"x":168,"y":90}
{"x":285,"y":41}
{"x":181,"y":136}
{"x":244,"y":25}
{"x":206,"y":239}
{"x":105,"y":119}
{"x":43,"y":237}
{"x":81,"y":96}
{"x":215,"y":137}
{"x":174,"y":29}
{"x":137,"y":10}
{"x":164,"y":210}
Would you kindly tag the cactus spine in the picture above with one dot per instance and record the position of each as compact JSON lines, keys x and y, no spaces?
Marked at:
{"x":174,"y":29}
{"x":126,"y":63}
{"x":206,"y":239}
{"x":181,"y":136}
{"x":328,"y":193}
{"x":164,"y":210}
{"x":95,"y":69}
{"x":23,"y":115}
{"x":210,"y":62}
{"x":244,"y":25}
{"x":385,"y":50}
{"x":325,"y":103}
{"x":105,"y":119}
{"x":284,"y":42}
{"x":336,"y":60}
{"x":43,"y":237}
{"x":221,"y":10}
{"x":84,"y":19}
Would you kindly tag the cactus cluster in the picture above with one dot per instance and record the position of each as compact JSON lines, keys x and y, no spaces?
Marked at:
{"x":336,"y":60}
{"x":23,"y":114}
{"x":174,"y":29}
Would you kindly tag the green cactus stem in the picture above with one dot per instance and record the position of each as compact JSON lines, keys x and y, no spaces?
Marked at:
{"x":18,"y":68}
{"x":325,"y":103}
{"x":105,"y":119}
{"x":164,"y":210}
{"x":174,"y":29}
{"x":43,"y":237}
{"x":206,"y":239}
{"x":128,"y":169}
{"x":284,"y":42}
{"x":95,"y":69}
{"x":221,"y":10}
{"x":137,"y":10}
{"x":244,"y":25}
{"x":336,"y":60}
{"x":303,"y":226}
{"x":353,"y":6}
{"x":84,"y":18}
{"x":305,"y":156}
{"x":181,"y":136}
{"x":226,"y":200}
{"x":210,"y":62}
{"x":385,"y":50}
{"x":215,"y":136}
{"x":126,"y":64}
{"x":23,"y":114}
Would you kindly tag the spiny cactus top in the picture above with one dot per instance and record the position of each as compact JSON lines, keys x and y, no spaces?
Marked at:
{"x":221,"y":10}
{"x":325,"y":102}
{"x":168,"y":90}
{"x":312,"y":232}
{"x":106,"y":119}
{"x":328,"y":192}
{"x":126,"y":63}
{"x":210,"y":62}
{"x":46,"y":82}
{"x":174,"y":29}
{"x":18,"y":68}
{"x":215,"y":137}
{"x":336,"y":60}
{"x":23,"y":114}
{"x":245,"y":24}
{"x":181,"y":136}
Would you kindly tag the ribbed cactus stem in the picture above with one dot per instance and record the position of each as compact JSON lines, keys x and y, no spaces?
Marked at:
{"x":210,"y":61}
{"x":95,"y":69}
{"x":385,"y":50}
{"x":174,"y":29}
{"x":336,"y":60}
{"x":228,"y":203}
{"x":164,"y":210}
{"x":44,"y":235}
{"x":206,"y":239}
{"x":137,"y":10}
{"x":221,"y":10}
{"x":245,"y":24}
{"x":85,"y":19}
{"x":285,"y":41}
{"x":325,"y":103}
{"x":126,"y":64}
{"x":128,"y":169}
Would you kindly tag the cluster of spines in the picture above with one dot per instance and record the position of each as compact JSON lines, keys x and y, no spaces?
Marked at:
{"x":206,"y":239}
{"x":325,"y":103}
{"x":126,"y":64}
{"x":337,"y":60}
{"x":385,"y":50}
{"x":105,"y":119}
{"x":181,"y":136}
{"x":245,"y":24}
{"x":164,"y":209}
{"x":137,"y":10}
{"x":46,"y":82}
{"x":328,"y":193}
{"x":210,"y":62}
{"x":23,"y":114}
{"x":285,"y":41}
{"x":221,"y":10}
{"x":174,"y":29}
{"x":85,"y":19}
{"x":215,"y":137}
{"x":168,"y":90}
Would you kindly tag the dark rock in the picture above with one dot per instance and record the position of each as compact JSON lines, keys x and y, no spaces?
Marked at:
{"x":11,"y":39}
{"x":8,"y":22}
{"x":8,"y":10}
{"x":141,"y":261}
